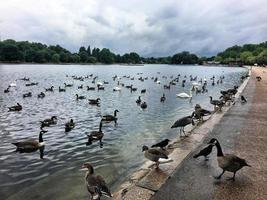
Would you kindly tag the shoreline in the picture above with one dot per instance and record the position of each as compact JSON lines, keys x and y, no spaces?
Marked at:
{"x":146,"y":181}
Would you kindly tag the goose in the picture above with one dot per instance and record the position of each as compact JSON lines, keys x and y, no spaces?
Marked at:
{"x":158,"y":82}
{"x":13,"y":84}
{"x":94,"y":101}
{"x":116,"y":89}
{"x":243,"y":99}
{"x":110,"y":118}
{"x":106,"y":82}
{"x":68,"y":85}
{"x":154,"y":155}
{"x":69,"y":125}
{"x":163,"y":98}
{"x":41,"y":95}
{"x":17,"y":107}
{"x":204,"y":152}
{"x":99,"y":84}
{"x":143,"y":91}
{"x":90,"y":88}
{"x":96,"y":135}
{"x":29,"y":146}
{"x":182,"y":122}
{"x":216,"y":103}
{"x":100,"y":87}
{"x":228,"y":162}
{"x":29,"y":94}
{"x":80,"y":97}
{"x":51,"y":89}
{"x":143,"y":105}
{"x":25,"y":79}
{"x":138,"y":101}
{"x":31,"y":84}
{"x":7,"y":90}
{"x":95,"y":184}
{"x":199,"y":112}
{"x":61,"y":89}
{"x":162,"y":144}
{"x":80,"y":86}
{"x":48,"y":122}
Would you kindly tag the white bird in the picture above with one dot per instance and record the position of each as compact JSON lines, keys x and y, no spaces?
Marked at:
{"x":99,"y":83}
{"x":116,"y":89}
{"x":13,"y":84}
{"x":196,"y":84}
{"x":184,"y":95}
{"x":158,"y":82}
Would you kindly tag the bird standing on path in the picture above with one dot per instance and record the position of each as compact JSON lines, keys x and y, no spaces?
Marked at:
{"x":181,"y":123}
{"x":243,"y":99}
{"x":154,"y":155}
{"x":204,"y":152}
{"x":162,"y":144}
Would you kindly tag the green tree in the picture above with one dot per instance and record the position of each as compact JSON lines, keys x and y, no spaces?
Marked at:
{"x":55,"y":58}
{"x":83,"y":56}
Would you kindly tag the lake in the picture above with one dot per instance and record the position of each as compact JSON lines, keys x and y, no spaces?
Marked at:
{"x":58,"y":175}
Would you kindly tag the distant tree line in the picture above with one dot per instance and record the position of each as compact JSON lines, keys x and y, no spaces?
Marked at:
{"x":32,"y":52}
{"x":248,"y":54}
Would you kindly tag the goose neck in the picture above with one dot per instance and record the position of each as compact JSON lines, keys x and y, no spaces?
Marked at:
{"x":219,"y":149}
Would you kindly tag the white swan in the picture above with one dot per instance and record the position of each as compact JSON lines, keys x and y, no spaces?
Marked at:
{"x":184,"y":95}
{"x":116,"y":89}
{"x":99,"y":83}
{"x":196,"y":84}
{"x":13,"y":84}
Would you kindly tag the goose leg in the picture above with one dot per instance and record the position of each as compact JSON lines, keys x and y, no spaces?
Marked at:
{"x":232,"y":178}
{"x":184,"y":133}
{"x":218,"y":177}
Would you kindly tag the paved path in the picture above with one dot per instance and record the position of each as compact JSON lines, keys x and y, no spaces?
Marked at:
{"x":243,"y":131}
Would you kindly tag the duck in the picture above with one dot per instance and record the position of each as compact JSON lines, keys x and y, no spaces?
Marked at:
{"x":116,"y":89}
{"x":110,"y":118}
{"x":90,"y":88}
{"x":80,"y":97}
{"x":138,"y":101}
{"x":17,"y":107}
{"x":163,"y":98}
{"x":154,"y":154}
{"x":161,"y":144}
{"x":41,"y":95}
{"x":143,"y":105}
{"x":95,"y":184}
{"x":69,"y":125}
{"x":29,"y":94}
{"x":51,"y":89}
{"x":204,"y":152}
{"x":61,"y":89}
{"x":48,"y":122}
{"x":94,"y":101}
{"x":228,"y":162}
{"x":96,"y":135}
{"x":182,"y":122}
{"x":29,"y":146}
{"x":216,"y":103}
{"x":13,"y":84}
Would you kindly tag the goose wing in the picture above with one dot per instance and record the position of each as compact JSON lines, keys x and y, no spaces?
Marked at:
{"x":157,"y":153}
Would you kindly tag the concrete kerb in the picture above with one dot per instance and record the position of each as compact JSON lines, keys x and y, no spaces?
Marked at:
{"x":143,"y":183}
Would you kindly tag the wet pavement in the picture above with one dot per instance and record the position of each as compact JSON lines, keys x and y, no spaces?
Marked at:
{"x":242,"y":131}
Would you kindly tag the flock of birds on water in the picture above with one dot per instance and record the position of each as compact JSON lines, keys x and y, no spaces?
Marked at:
{"x":96,"y":184}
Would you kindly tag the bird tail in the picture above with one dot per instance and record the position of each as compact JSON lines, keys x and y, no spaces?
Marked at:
{"x":196,"y":155}
{"x":15,"y":143}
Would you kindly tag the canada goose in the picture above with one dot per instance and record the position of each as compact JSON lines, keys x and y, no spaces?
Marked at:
{"x":100,"y":87}
{"x":243,"y":99}
{"x":80,"y":86}
{"x":41,"y":95}
{"x":29,"y":146}
{"x":216,"y":103}
{"x":143,"y":91}
{"x":31,"y":84}
{"x":163,"y":98}
{"x":68,"y":85}
{"x":80,"y":97}
{"x":228,"y":162}
{"x":17,"y":107}
{"x":7,"y":90}
{"x":143,"y":105}
{"x":94,"y":101}
{"x":106,"y":82}
{"x":95,"y":184}
{"x":204,"y":152}
{"x":167,"y":86}
{"x":199,"y":112}
{"x":25,"y":79}
{"x":96,"y":135}
{"x":138,"y":101}
{"x":50,"y":121}
{"x":226,"y":98}
{"x":182,"y":122}
{"x":110,"y":118}
{"x":154,"y":155}
{"x":69,"y":125}
{"x":61,"y":89}
{"x":162,"y":144}
{"x":29,"y":94}
{"x":51,"y":89}
{"x":90,"y":88}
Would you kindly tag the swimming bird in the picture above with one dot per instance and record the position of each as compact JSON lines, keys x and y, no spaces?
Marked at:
{"x":50,"y":121}
{"x":163,"y":98}
{"x":138,"y":101}
{"x":154,"y":154}
{"x":29,"y":146}
{"x":116,"y":89}
{"x":143,"y":105}
{"x":95,"y":184}
{"x":29,"y":94}
{"x":69,"y":125}
{"x":243,"y":99}
{"x":162,"y":144}
{"x":110,"y":118}
{"x":143,"y":91}
{"x":90,"y":88}
{"x":204,"y":152}
{"x":94,"y":101}
{"x":80,"y":97}
{"x":182,"y":122}
{"x":51,"y":89}
{"x":68,"y":85}
{"x":184,"y":95}
{"x":80,"y":86}
{"x":228,"y":162}
{"x":61,"y":89}
{"x":17,"y":107}
{"x":7,"y":90}
{"x":96,"y":135}
{"x":41,"y":95}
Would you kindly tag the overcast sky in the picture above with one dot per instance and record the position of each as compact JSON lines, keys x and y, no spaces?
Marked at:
{"x":148,"y":27}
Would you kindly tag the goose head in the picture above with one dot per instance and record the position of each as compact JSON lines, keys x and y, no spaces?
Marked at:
{"x":145,"y":148}
{"x":89,"y":167}
{"x":54,"y":118}
{"x":98,"y":99}
{"x":213,"y":141}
